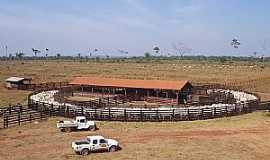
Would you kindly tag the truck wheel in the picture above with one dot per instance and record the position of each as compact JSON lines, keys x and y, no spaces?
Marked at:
{"x":85,"y":152}
{"x":68,"y":129}
{"x":112,"y":149}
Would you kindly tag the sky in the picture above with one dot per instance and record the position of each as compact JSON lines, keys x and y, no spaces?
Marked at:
{"x":70,"y":27}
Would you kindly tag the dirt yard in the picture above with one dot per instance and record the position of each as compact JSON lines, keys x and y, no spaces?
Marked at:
{"x":242,"y":137}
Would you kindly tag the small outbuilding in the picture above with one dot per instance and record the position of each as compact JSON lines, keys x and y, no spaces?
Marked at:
{"x":16,"y":82}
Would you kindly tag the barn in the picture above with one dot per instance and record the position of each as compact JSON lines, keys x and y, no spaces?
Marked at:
{"x":15,"y":82}
{"x":173,"y":92}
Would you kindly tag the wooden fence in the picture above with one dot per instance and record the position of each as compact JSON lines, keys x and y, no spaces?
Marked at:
{"x":18,"y":115}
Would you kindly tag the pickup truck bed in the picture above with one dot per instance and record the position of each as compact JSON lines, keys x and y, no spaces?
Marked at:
{"x":66,"y":124}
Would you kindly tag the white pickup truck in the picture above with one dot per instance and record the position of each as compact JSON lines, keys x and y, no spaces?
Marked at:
{"x":80,"y":123}
{"x":94,"y":144}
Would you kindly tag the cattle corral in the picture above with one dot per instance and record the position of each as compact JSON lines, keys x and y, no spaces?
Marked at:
{"x":244,"y":136}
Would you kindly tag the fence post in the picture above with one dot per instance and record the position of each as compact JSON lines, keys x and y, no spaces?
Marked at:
{"x":173,"y":115}
{"x":125,"y":114}
{"x":5,"y":121}
{"x":109,"y":113}
{"x":51,"y":110}
{"x":95,"y":113}
{"x":226,"y":109}
{"x":19,"y":118}
{"x":157,"y":116}
{"x":20,"y":108}
{"x":9,"y":110}
{"x":202,"y":113}
{"x":30,"y":116}
{"x":141,"y":115}
{"x":67,"y":111}
{"x":82,"y":110}
{"x":215,"y":110}
{"x":188,"y":114}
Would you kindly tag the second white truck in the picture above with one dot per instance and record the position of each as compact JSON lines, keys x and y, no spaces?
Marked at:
{"x":94,"y":144}
{"x":80,"y":123}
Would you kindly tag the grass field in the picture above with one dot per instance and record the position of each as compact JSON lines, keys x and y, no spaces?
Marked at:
{"x":241,"y":137}
{"x":44,"y":71}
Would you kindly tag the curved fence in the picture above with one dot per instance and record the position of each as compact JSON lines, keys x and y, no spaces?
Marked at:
{"x":144,"y":114}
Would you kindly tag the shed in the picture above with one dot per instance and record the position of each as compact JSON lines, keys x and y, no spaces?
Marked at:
{"x":15,"y":82}
{"x":178,"y":90}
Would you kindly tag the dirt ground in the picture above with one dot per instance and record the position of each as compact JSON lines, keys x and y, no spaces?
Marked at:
{"x":241,"y":137}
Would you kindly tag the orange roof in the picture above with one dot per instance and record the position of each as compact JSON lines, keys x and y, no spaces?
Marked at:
{"x":129,"y":83}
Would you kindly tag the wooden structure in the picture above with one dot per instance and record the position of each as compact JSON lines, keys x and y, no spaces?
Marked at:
{"x":15,"y":82}
{"x":138,"y":90}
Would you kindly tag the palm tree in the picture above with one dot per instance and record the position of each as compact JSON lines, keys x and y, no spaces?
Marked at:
{"x":36,"y":51}
{"x":47,"y":50}
{"x":235,"y":43}
{"x":156,"y":49}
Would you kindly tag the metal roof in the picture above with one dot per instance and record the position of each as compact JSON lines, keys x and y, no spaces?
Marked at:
{"x":129,"y":83}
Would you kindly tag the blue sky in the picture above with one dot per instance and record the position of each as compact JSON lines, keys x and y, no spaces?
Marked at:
{"x":77,"y":26}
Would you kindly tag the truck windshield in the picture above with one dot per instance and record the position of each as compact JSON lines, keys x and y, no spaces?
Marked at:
{"x":88,"y":139}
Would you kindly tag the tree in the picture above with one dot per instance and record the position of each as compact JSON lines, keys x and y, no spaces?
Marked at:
{"x":36,"y":51}
{"x":235,"y":43}
{"x":156,"y":49}
{"x":19,"y":55}
{"x":180,"y":48}
{"x":122,"y":51}
{"x":47,"y":50}
{"x":147,"y":55}
{"x":58,"y":55}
